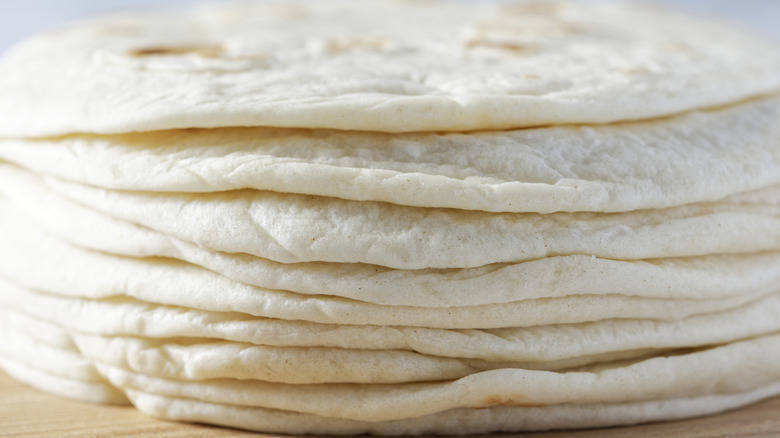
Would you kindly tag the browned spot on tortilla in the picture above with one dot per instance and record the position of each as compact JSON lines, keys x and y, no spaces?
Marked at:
{"x":204,"y":51}
{"x":493,"y":400}
{"x":345,"y":44}
{"x":517,"y":48}
{"x":497,"y":400}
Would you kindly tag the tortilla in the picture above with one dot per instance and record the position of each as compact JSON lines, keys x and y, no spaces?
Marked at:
{"x":293,"y":229}
{"x":166,"y":281}
{"x":695,"y":157}
{"x":453,"y":422}
{"x":377,"y":70}
{"x":201,"y":359}
{"x":414,"y":217}
{"x":706,"y":277}
{"x":537,"y":346}
{"x":657,"y":378}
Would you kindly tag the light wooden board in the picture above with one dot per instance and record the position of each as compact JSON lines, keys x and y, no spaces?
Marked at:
{"x":26,"y":412}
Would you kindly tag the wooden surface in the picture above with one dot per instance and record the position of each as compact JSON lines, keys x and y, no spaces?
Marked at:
{"x":26,"y":412}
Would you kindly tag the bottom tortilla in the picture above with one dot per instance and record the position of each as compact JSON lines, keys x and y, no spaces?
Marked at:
{"x":453,"y":422}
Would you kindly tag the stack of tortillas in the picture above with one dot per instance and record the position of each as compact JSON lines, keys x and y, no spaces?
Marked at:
{"x":394,"y":217}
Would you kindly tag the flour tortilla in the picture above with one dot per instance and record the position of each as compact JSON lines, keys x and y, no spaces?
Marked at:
{"x":697,"y":157}
{"x":202,"y":359}
{"x":287,"y":109}
{"x":171,"y":284}
{"x":34,"y":351}
{"x":539,"y":344}
{"x":712,"y":371}
{"x":452,"y":422}
{"x":14,"y":317}
{"x":89,"y":391}
{"x":166,"y":281}
{"x":96,"y":391}
{"x":294,"y":228}
{"x":22,"y":342}
{"x":346,"y":66}
{"x":689,"y":278}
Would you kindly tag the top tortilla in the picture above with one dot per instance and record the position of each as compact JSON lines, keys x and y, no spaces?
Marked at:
{"x":396,"y":66}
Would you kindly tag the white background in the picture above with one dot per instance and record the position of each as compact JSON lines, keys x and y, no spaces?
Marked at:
{"x":25,"y":17}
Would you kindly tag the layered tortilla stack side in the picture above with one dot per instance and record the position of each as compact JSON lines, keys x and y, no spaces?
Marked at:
{"x":394,"y":217}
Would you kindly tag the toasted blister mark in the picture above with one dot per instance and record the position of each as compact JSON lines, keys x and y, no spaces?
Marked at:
{"x":501,"y":45}
{"x":206,"y":51}
{"x":339,"y":45}
{"x":184,"y":57}
{"x":518,"y":35}
{"x":504,"y":400}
